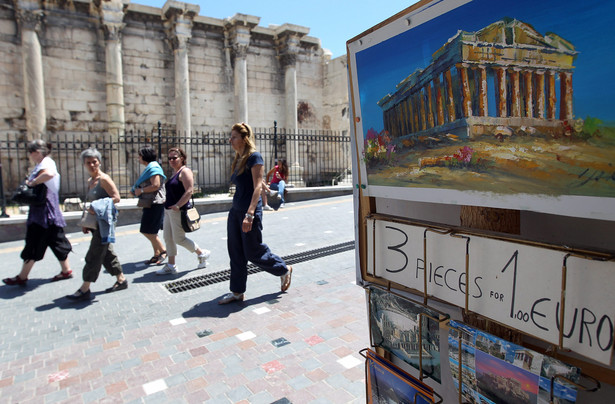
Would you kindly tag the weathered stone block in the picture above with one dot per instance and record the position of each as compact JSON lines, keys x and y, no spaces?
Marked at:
{"x":73,"y":204}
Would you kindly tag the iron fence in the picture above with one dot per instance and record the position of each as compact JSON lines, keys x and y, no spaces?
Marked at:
{"x":322,"y":156}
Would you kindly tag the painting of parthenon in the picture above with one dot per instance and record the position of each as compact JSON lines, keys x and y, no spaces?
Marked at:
{"x":508,"y":64}
{"x":485,"y":103}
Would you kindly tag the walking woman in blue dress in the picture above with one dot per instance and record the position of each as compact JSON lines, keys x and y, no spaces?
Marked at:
{"x":244,"y":226}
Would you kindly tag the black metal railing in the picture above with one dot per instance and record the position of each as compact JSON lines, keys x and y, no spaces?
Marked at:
{"x":322,"y":155}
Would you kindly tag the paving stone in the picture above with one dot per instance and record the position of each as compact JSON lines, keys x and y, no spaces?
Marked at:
{"x":95,"y":395}
{"x":239,"y":393}
{"x":56,"y":396}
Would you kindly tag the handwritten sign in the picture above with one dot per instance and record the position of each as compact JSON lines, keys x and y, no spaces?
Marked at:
{"x":516,"y":284}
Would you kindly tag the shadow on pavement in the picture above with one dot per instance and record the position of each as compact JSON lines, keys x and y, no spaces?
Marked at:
{"x":152,"y":277}
{"x":13,"y":291}
{"x":213,"y":309}
{"x":133,"y":267}
{"x":64,"y":303}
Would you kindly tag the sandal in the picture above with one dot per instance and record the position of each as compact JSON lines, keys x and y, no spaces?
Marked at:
{"x":152,"y":260}
{"x":15,"y":281}
{"x":286,"y":278}
{"x":160,"y":258}
{"x":118,"y":286}
{"x":62,"y":275}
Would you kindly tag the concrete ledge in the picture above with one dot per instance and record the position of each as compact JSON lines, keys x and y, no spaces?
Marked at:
{"x":14,"y":227}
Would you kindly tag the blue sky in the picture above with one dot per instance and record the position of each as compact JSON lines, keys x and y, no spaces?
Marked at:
{"x":586,"y":24}
{"x":334,"y":22}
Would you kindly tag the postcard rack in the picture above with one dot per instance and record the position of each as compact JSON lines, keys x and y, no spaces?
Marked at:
{"x":422,"y":287}
{"x":442,"y":318}
{"x":393,"y":234}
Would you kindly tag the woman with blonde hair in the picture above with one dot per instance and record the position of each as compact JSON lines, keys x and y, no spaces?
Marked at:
{"x":244,"y":225}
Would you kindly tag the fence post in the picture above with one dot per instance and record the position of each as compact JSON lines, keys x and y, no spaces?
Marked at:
{"x":159,"y":142}
{"x":3,"y":214}
{"x":275,"y":140}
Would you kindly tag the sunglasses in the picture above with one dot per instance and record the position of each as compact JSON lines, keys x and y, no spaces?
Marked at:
{"x":173,"y":158}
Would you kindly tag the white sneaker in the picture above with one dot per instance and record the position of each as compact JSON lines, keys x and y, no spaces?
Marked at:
{"x":203,"y":259}
{"x":267,"y":207}
{"x":281,"y":206}
{"x":168,"y":269}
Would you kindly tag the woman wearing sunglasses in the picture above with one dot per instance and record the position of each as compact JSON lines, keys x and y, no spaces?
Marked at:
{"x":179,"y":190}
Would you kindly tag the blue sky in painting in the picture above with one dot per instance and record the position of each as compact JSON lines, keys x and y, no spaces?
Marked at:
{"x":587,"y":25}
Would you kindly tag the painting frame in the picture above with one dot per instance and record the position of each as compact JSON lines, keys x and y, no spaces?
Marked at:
{"x":426,"y":179}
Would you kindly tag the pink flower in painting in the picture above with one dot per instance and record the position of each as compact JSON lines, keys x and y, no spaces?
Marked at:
{"x":371,"y":134}
{"x":390,"y":149}
{"x":464,"y":155}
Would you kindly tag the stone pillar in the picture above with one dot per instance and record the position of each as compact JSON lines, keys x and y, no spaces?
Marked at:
{"x":529,"y":94}
{"x":540,"y":94}
{"x":408,"y":104}
{"x":430,"y":121}
{"x":565,"y":94}
{"x":423,"y":113}
{"x":551,"y":98}
{"x":466,"y":98}
{"x":178,"y":18}
{"x":29,"y":17}
{"x":450,"y":99}
{"x":404,"y":108}
{"x":501,"y":92}
{"x":402,"y":119}
{"x":111,"y":16}
{"x":238,"y":29}
{"x":288,"y":42}
{"x":439,"y":104}
{"x":483,"y":109}
{"x":416,"y":110}
{"x":515,"y":94}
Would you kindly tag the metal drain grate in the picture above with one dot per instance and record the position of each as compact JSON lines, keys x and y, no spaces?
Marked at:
{"x":225,"y":275}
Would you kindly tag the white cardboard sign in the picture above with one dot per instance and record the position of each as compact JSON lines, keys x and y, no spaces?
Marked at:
{"x":515,"y":284}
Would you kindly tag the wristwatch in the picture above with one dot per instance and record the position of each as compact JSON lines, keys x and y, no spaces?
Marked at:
{"x":249,"y":216}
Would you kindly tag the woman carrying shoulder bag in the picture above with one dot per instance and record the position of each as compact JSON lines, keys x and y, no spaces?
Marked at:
{"x":151,"y":192}
{"x":179,"y":190}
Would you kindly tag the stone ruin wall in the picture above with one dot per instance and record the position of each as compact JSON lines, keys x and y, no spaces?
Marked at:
{"x":73,"y":58}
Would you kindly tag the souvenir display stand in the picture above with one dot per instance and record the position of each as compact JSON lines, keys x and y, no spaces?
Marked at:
{"x":484,"y":164}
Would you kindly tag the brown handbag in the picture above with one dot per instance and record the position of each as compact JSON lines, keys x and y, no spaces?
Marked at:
{"x":191,"y":219}
{"x":146,"y":199}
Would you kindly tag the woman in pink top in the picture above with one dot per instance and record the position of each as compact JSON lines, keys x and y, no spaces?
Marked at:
{"x":279,"y":174}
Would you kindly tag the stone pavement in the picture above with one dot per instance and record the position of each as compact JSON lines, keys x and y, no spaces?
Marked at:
{"x":146,"y":345}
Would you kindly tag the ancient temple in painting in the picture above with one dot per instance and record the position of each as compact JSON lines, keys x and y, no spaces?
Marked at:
{"x":498,"y":80}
